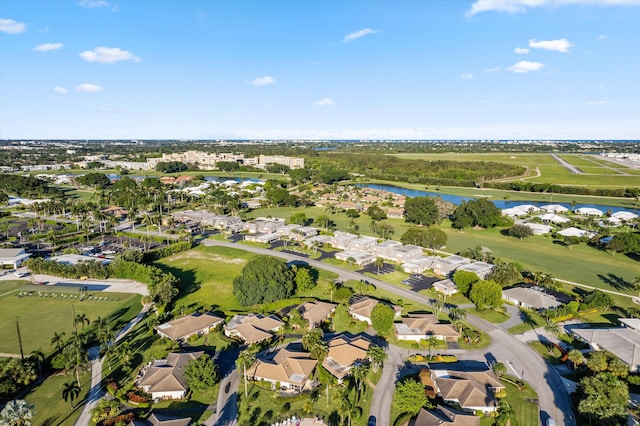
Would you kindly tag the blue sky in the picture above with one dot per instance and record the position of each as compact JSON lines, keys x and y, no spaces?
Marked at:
{"x":420,"y":69}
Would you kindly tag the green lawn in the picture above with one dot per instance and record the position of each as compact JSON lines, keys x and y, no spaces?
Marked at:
{"x":50,"y":408}
{"x":39,"y":317}
{"x":490,"y":315}
{"x":525,"y":413}
{"x":207,"y":275}
{"x":551,"y":356}
{"x":535,"y":321}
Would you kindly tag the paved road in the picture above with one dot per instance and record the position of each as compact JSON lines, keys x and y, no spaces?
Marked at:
{"x":383,"y":393}
{"x":227,"y":409}
{"x":554,"y":399}
{"x":571,"y":168}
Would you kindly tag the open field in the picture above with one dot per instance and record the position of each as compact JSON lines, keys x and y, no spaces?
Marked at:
{"x":40,"y":317}
{"x":551,"y":171}
{"x":50,"y":407}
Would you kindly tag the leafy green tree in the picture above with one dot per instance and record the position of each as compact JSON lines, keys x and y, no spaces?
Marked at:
{"x":480,"y":212}
{"x":463,"y":280}
{"x":277,"y":196}
{"x":603,"y":398}
{"x":505,"y":274}
{"x":17,"y":413}
{"x":499,"y":369}
{"x":571,"y":241}
{"x":519,"y":231}
{"x":97,"y":180}
{"x":305,"y":281}
{"x":201,"y":373}
{"x":312,"y":342}
{"x":352,"y":213}
{"x":298,"y":218}
{"x":576,"y":357}
{"x":376,"y":213}
{"x":598,"y":361}
{"x":227,"y":166}
{"x":421,"y":211}
{"x":171,"y":167}
{"x":58,"y":340}
{"x":486,"y":294}
{"x":625,"y":242}
{"x":410,"y":397}
{"x":382,"y":316}
{"x":264,"y":279}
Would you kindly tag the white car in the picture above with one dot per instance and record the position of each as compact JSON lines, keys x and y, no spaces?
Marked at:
{"x":21,"y":274}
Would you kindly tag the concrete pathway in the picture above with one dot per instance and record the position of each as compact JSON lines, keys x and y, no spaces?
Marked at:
{"x":383,"y":392}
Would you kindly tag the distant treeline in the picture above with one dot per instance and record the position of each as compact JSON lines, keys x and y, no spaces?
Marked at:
{"x":562,"y":189}
{"x":27,"y":186}
{"x":433,"y":172}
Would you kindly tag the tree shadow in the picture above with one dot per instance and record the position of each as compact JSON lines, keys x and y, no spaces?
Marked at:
{"x":187,"y":277}
{"x":616,"y":281}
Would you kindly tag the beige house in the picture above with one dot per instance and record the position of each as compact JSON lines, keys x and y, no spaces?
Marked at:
{"x":316,"y":312}
{"x":290,"y":369}
{"x":192,"y":325}
{"x":164,"y":379}
{"x":361,"y":309}
{"x":416,"y":327}
{"x":252,"y":328}
{"x":344,"y":352}
{"x":536,"y":298}
{"x":444,"y":416}
{"x":471,"y":391}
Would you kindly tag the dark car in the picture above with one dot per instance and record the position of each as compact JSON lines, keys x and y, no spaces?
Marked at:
{"x":372,"y":421}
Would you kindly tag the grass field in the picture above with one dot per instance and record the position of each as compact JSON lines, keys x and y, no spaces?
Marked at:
{"x":40,"y":317}
{"x":50,"y":408}
{"x":551,"y":171}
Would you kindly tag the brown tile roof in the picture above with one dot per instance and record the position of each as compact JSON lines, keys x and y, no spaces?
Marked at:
{"x":184,"y":327}
{"x":470,"y":389}
{"x":444,"y":416}
{"x":253,"y":328}
{"x":364,"y":306}
{"x":168,"y":375}
{"x":158,"y":419}
{"x":285,"y":366}
{"x":316,"y":312}
{"x":343,"y":351}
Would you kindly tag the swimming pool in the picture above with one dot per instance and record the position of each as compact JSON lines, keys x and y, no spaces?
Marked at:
{"x":87,"y":287}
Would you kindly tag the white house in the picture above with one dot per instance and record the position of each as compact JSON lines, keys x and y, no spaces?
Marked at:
{"x":481,"y":269}
{"x":554,"y":208}
{"x":576,"y":232}
{"x":589,"y":211}
{"x":553,"y":218}
{"x":446,"y":287}
{"x":624,"y":216}
{"x":445,"y":266}
{"x":360,"y":258}
{"x":419,"y":265}
{"x":13,"y":257}
{"x":539,"y":228}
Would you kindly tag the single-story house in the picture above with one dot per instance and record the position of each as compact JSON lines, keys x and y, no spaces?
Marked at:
{"x":181,"y":329}
{"x":472,"y":391}
{"x":344,"y":352}
{"x":445,"y":266}
{"x":576,"y":232}
{"x":263,"y":225}
{"x":252,"y":328}
{"x":624,"y":342}
{"x":341,"y":240}
{"x":589,"y":211}
{"x":528,"y":208}
{"x":513,"y":212}
{"x":290,"y":369}
{"x":161,"y":419}
{"x":444,"y":416}
{"x":406,"y":253}
{"x":317,"y":241}
{"x":361,"y":308}
{"x":534,"y":297}
{"x":262,"y":238}
{"x":362,"y":243}
{"x":13,"y":258}
{"x":554,"y":208}
{"x":419,"y":265}
{"x":481,"y":269}
{"x":164,"y":379}
{"x":539,"y":228}
{"x":360,"y":258}
{"x":384,"y":248}
{"x":624,"y":216}
{"x":316,"y":312}
{"x":446,"y":287}
{"x":417,"y":327}
{"x":553,"y":218}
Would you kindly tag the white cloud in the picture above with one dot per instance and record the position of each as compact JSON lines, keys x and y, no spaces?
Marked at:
{"x":358,"y":34}
{"x":598,"y":103}
{"x":602,"y":37}
{"x":108,"y":55}
{"x":47,"y":47}
{"x":521,"y":6}
{"x":262,"y":81}
{"x":324,"y":102}
{"x":88,"y":87}
{"x":60,"y":90}
{"x":494,"y":69}
{"x":559,"y":45}
{"x":521,"y":50}
{"x":91,"y":4}
{"x":10,"y":26}
{"x":468,"y":76}
{"x":525,"y":66}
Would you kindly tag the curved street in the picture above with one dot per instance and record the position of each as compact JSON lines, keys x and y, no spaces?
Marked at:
{"x":553,"y":396}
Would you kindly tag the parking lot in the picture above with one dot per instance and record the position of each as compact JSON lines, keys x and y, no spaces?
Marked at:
{"x":420,"y":282}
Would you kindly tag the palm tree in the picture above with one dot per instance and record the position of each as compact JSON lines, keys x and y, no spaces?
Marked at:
{"x":38,"y":356}
{"x":99,"y":323}
{"x":576,"y":357}
{"x":553,"y":328}
{"x":359,"y":373}
{"x":70,"y":391}
{"x":377,"y":356}
{"x":379,"y":263}
{"x":57,"y":340}
{"x":82,"y":320}
{"x":17,"y":413}
{"x":432,"y":342}
{"x":246,"y":357}
{"x":437,"y":307}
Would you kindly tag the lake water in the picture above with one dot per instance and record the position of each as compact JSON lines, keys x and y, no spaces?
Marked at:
{"x":501,"y":204}
{"x":237,"y":179}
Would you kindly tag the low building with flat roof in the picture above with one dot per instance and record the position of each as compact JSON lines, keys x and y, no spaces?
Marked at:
{"x":13,"y":257}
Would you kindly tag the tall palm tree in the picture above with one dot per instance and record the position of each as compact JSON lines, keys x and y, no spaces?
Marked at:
{"x":553,"y":328}
{"x":57,"y":340}
{"x":432,"y":342}
{"x":576,"y":357}
{"x":246,"y":358}
{"x":377,"y":356}
{"x":17,"y":413}
{"x":38,"y":357}
{"x":82,"y":320}
{"x":100,"y":324}
{"x":70,"y":391}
